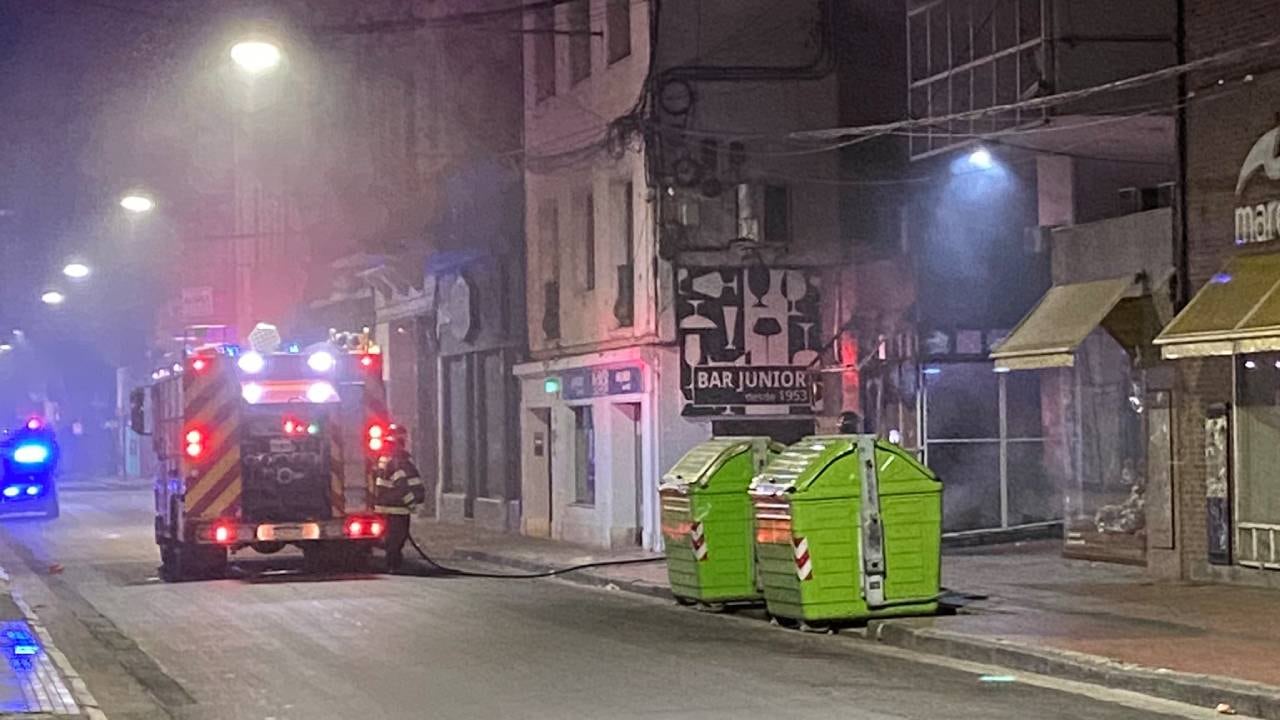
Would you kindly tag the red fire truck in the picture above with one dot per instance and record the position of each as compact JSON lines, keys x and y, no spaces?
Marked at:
{"x":265,"y":450}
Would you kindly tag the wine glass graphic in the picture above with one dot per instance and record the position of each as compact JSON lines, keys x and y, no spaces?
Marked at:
{"x":807,"y":355}
{"x":759,"y":281}
{"x":697,"y":321}
{"x":767,"y":327}
{"x":794,"y":288}
{"x":713,"y":285}
{"x":730,"y":326}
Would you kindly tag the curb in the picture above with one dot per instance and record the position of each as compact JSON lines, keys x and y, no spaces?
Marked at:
{"x":84,"y":699}
{"x":1247,"y":698}
{"x":1251,"y":699}
{"x":583,"y":577}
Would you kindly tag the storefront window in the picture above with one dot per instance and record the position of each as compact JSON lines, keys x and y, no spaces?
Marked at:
{"x":1258,"y":457}
{"x":982,"y":437}
{"x":1105,"y":492}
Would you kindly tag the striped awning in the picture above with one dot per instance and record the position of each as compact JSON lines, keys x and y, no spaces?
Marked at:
{"x":1237,"y":311}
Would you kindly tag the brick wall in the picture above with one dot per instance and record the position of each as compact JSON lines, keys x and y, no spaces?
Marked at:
{"x":1220,"y":131}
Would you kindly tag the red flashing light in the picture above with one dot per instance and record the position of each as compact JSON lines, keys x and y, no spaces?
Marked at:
{"x":223,"y":533}
{"x":199,"y":364}
{"x":364,"y":527}
{"x":195,"y":444}
{"x":290,"y":427}
{"x":366,"y":361}
{"x":34,"y":424}
{"x":376,"y":434}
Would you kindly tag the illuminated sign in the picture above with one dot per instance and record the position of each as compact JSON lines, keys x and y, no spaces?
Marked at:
{"x":1258,"y":222}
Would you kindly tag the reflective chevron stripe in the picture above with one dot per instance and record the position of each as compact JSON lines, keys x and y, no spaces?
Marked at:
{"x":804,"y":564}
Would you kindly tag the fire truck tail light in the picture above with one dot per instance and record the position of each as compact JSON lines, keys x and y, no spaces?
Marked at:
{"x":364,"y":527}
{"x":223,"y":533}
{"x":199,"y":364}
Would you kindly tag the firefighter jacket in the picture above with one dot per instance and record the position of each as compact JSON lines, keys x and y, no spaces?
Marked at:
{"x":399,"y":487}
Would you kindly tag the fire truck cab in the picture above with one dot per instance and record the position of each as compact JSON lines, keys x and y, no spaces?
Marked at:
{"x":265,"y":450}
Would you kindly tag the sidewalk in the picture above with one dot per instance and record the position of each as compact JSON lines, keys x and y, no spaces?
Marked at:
{"x":36,"y":679}
{"x":1032,"y":610}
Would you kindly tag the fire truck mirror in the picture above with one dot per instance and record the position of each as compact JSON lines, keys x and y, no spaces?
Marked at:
{"x":137,"y":411}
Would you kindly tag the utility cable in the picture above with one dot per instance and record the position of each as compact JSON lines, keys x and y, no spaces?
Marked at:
{"x":526,"y":576}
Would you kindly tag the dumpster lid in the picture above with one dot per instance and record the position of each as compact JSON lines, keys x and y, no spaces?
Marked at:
{"x":700,"y":463}
{"x":800,"y":463}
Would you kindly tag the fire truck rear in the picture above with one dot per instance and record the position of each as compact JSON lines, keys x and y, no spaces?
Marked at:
{"x":265,"y":450}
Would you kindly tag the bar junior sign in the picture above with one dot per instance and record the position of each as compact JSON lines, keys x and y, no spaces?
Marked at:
{"x":1258,"y":222}
{"x":743,"y":385}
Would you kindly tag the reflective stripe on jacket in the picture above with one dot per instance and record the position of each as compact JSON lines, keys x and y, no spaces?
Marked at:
{"x":398,"y":485}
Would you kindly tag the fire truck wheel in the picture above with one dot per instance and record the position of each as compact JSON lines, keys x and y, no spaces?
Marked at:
{"x":182,"y":561}
{"x":171,"y":567}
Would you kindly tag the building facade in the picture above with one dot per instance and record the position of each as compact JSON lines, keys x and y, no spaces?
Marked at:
{"x":1002,"y":207}
{"x":1223,"y":343}
{"x":674,"y":276}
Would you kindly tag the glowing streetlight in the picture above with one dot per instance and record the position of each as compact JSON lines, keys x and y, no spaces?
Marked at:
{"x":256,"y":57}
{"x":52,"y":297}
{"x":137,"y":203}
{"x":76,"y":270}
{"x":981,"y":159}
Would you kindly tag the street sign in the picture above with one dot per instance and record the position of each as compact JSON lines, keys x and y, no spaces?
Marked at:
{"x":197,"y":303}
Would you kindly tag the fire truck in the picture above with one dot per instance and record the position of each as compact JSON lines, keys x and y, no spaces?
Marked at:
{"x":264,"y":450}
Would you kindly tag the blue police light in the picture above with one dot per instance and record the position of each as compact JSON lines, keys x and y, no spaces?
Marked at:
{"x":12,"y":491}
{"x":30,"y":454}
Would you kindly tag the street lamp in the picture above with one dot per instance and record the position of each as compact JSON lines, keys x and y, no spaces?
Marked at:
{"x":52,"y":297}
{"x":135,"y":203}
{"x":256,"y":57}
{"x":76,"y":270}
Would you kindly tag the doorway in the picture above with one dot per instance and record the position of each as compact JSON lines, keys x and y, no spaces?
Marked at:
{"x":542,"y":461}
{"x":631,"y":447}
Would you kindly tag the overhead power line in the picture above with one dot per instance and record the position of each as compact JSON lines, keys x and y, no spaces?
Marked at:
{"x":1226,"y":58}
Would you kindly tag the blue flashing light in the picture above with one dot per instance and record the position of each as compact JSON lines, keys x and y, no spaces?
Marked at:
{"x":293,"y":348}
{"x":12,"y":491}
{"x":933,"y":371}
{"x":33,"y":490}
{"x":30,"y":454}
{"x":1221,"y":278}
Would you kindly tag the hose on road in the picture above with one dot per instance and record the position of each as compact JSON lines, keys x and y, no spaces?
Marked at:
{"x":524,"y":576}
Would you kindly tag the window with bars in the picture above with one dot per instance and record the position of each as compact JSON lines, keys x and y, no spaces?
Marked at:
{"x":968,"y":55}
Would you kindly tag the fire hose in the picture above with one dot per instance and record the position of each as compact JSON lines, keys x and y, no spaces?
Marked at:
{"x":524,"y":576}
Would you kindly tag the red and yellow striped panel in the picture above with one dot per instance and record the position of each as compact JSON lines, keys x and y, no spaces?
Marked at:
{"x":376,"y":412}
{"x":337,"y":494}
{"x":212,"y":400}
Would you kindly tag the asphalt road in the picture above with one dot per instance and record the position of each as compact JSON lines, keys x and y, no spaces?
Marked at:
{"x":277,"y":646}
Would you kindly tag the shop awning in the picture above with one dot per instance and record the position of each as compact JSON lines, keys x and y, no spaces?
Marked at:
{"x":1237,"y":311}
{"x":1049,"y":335}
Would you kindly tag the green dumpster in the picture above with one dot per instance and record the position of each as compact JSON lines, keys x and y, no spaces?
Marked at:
{"x":707,"y":520}
{"x":848,"y":528}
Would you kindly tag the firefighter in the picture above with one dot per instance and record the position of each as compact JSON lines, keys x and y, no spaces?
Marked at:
{"x":399,"y":491}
